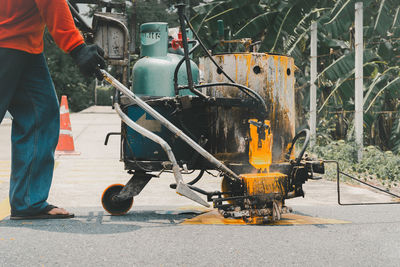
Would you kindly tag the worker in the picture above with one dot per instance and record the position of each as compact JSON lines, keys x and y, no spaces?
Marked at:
{"x":27,"y":92}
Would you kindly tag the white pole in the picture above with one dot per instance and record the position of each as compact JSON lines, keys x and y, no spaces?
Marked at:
{"x":358,"y":118}
{"x":95,"y":92}
{"x":313,"y":87}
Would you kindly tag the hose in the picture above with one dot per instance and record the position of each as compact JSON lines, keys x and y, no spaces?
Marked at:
{"x":305,"y":132}
{"x":255,"y":96}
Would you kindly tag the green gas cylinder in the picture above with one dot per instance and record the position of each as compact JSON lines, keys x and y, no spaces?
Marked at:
{"x":153,"y":73}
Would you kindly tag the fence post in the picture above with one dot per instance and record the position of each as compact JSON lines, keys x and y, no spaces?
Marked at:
{"x":358,"y":117}
{"x":313,"y":87}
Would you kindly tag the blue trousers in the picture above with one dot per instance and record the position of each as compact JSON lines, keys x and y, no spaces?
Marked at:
{"x":27,"y":92}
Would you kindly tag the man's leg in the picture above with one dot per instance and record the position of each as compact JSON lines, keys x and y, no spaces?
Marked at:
{"x":35,"y":133}
{"x":12,"y":67}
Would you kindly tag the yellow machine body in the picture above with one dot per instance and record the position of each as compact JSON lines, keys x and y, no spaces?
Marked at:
{"x":263,"y":191}
{"x":260,"y":150}
{"x":260,"y":157}
{"x":264,"y":183}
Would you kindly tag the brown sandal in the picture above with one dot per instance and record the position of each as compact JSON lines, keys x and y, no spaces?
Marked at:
{"x":43,"y":215}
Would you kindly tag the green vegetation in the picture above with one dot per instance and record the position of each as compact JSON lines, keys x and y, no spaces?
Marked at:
{"x":377,"y":166}
{"x":67,"y":78}
{"x":283,"y":27}
{"x":104,"y":95}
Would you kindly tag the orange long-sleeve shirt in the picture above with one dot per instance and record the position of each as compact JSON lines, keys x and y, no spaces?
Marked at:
{"x":22,"y":24}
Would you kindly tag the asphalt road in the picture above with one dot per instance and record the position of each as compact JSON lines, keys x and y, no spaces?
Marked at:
{"x":152,"y":233}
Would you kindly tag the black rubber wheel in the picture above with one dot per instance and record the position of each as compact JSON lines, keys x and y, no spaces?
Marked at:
{"x":115,"y":207}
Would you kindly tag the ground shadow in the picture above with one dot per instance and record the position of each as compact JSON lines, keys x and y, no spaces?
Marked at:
{"x":98,"y":222}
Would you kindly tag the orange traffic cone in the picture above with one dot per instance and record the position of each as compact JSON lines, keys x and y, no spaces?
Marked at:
{"x":65,"y":144}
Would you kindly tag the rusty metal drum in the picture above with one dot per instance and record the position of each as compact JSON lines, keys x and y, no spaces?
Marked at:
{"x":270,"y":75}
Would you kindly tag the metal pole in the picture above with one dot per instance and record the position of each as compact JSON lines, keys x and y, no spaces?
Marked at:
{"x":95,"y":92}
{"x":132,"y":44}
{"x":181,"y":14}
{"x":313,"y":87}
{"x":358,"y":118}
{"x":187,"y":10}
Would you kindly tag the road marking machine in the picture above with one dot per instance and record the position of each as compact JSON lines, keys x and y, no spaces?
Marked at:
{"x":234,"y":113}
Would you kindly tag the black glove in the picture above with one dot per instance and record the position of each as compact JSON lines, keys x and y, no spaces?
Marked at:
{"x":89,"y":59}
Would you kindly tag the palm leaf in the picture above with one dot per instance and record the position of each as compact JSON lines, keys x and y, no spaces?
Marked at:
{"x":278,"y":34}
{"x":392,"y":86}
{"x":339,"y":83}
{"x":340,"y":18}
{"x":395,"y":134}
{"x":380,"y":78}
{"x":384,"y":19}
{"x":256,"y":25}
{"x":301,"y":31}
{"x":206,"y":8}
{"x":396,"y":18}
{"x":345,"y":64}
{"x":203,"y":11}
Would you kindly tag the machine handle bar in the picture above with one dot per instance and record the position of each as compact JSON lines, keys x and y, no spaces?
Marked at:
{"x":219,"y":165}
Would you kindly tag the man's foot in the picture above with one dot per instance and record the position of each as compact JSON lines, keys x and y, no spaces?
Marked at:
{"x":56,"y":211}
{"x":50,"y":212}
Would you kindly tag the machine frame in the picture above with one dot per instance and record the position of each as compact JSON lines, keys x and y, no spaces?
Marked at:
{"x":256,"y":196}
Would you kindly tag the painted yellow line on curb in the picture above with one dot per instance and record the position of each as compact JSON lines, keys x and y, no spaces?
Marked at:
{"x":4,"y":208}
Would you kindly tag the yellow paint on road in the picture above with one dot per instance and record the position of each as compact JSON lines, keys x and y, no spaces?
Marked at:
{"x":214,"y":217}
{"x":4,"y":208}
{"x":5,"y":173}
{"x":5,"y":169}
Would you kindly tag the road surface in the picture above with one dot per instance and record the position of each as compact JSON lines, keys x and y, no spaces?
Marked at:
{"x":154,"y":232}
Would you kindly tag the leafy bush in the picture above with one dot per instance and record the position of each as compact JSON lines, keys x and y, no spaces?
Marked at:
{"x":383,"y":166}
{"x":104,"y":95}
{"x":67,"y":78}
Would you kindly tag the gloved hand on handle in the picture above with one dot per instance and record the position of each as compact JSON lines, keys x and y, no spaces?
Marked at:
{"x":89,"y":59}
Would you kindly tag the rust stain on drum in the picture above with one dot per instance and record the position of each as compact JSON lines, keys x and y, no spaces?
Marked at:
{"x":269,"y":75}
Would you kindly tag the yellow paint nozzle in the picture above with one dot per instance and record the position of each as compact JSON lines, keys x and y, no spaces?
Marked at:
{"x":260,"y":148}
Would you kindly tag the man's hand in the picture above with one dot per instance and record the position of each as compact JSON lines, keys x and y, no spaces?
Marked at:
{"x":89,"y":59}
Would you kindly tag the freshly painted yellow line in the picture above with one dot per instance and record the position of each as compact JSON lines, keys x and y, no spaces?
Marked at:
{"x":214,"y":217}
{"x":4,"y":209}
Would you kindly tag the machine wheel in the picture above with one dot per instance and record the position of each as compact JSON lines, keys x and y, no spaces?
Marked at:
{"x":115,"y":207}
